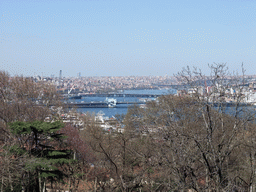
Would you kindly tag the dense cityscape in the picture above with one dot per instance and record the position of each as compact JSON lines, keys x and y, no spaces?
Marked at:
{"x":108,"y":84}
{"x":111,"y":84}
{"x":101,"y":84}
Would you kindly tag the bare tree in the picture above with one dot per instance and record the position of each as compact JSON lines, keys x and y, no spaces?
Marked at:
{"x":202,"y":139}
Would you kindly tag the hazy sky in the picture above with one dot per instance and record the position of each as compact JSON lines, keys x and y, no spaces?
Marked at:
{"x":125,"y":37}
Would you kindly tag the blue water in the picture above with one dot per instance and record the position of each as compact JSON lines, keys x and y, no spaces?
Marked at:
{"x":120,"y":109}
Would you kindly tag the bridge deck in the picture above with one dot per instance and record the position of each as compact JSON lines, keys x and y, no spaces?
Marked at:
{"x":98,"y":104}
{"x":120,"y":95}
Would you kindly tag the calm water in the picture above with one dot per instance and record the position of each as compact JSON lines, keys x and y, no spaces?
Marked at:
{"x":120,"y":109}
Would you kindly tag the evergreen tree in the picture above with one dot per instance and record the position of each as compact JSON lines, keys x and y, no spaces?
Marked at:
{"x":45,"y":149}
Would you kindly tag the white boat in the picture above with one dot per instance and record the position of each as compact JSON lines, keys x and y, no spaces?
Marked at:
{"x":111,"y":102}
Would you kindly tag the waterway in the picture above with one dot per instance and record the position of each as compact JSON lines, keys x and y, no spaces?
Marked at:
{"x":119,"y":109}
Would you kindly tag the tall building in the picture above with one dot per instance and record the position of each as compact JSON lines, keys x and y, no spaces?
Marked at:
{"x":60,"y":77}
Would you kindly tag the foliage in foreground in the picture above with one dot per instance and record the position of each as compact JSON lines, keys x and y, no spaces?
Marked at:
{"x":177,"y":144}
{"x":180,"y":143}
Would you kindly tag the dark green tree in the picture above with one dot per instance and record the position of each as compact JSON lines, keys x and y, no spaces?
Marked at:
{"x":45,"y":152}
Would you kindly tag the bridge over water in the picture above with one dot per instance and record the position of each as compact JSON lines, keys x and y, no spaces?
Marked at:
{"x":119,"y":95}
{"x":100,"y":104}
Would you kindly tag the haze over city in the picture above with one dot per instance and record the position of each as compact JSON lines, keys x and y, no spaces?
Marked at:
{"x":122,"y":38}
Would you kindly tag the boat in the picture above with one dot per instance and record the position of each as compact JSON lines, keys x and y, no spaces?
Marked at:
{"x":111,"y":102}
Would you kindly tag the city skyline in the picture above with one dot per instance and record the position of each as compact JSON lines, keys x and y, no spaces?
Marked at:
{"x":113,"y":38}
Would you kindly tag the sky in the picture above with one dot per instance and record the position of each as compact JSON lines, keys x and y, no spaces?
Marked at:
{"x":123,"y":38}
